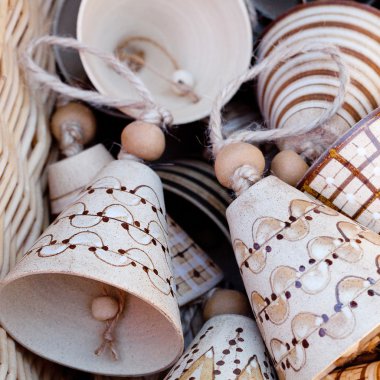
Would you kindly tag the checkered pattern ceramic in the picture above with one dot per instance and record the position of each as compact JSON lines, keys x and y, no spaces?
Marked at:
{"x":195,"y":273}
{"x":347,"y":177}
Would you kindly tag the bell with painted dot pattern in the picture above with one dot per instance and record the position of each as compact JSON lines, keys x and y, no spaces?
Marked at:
{"x":312,"y":275}
{"x":109,"y":246}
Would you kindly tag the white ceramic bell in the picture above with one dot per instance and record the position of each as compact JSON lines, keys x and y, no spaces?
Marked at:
{"x":111,"y":241}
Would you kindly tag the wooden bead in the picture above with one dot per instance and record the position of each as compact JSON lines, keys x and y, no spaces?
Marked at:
{"x":225,"y":301}
{"x":77,"y":114}
{"x":104,"y":308}
{"x":232,"y":156}
{"x":289,"y":167}
{"x":144,"y":140}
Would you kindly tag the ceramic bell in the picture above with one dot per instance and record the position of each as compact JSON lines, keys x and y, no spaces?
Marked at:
{"x":195,"y":273}
{"x":185,"y":41}
{"x":312,"y":276}
{"x":299,"y":90}
{"x":67,"y":177}
{"x":347,"y":176}
{"x":229,"y":345}
{"x":110,"y":243}
{"x":369,"y":371}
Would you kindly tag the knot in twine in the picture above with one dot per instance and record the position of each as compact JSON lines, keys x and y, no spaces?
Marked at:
{"x":71,"y":138}
{"x":245,"y":176}
{"x":108,"y":334}
{"x":146,"y":109}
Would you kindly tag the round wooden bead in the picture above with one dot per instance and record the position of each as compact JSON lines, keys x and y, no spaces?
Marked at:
{"x":104,"y":308}
{"x":232,"y":156}
{"x":75,"y":114}
{"x":289,"y":167}
{"x":225,"y":301}
{"x":144,"y":140}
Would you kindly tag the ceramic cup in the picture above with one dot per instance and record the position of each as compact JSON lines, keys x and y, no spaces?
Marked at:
{"x":312,"y":276}
{"x":347,"y":176}
{"x":200,"y":36}
{"x":112,"y":239}
{"x":228,"y":347}
{"x":300,"y":89}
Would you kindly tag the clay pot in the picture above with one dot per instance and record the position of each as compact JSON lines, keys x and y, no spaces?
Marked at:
{"x":112,"y":240}
{"x":312,"y":276}
{"x":299,"y":90}
{"x":347,"y":176}
{"x":186,"y":30}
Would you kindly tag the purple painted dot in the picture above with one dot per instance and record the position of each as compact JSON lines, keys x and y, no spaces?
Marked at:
{"x":301,"y":268}
{"x":298,"y":284}
{"x":256,"y":246}
{"x":338,"y":307}
{"x":325,"y":317}
{"x":371,"y":280}
{"x":322,"y":332}
{"x":311,"y":261}
{"x":268,"y":248}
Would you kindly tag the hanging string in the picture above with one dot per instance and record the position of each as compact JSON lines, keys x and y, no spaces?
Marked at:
{"x":247,"y":175}
{"x":280,"y":54}
{"x":147,"y":109}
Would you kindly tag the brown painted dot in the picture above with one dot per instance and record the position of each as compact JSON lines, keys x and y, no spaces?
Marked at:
{"x":335,"y":255}
{"x":287,"y":224}
{"x":267,"y":300}
{"x":292,"y":218}
{"x":266,"y":375}
{"x":266,"y":316}
{"x":123,"y":188}
{"x":210,"y":328}
{"x":100,"y":213}
{"x":217,"y":372}
{"x":266,"y":363}
{"x":132,"y":191}
{"x":155,"y":271}
{"x":279,"y":237}
{"x":311,"y":261}
{"x":105,"y":219}
{"x":202,"y":336}
{"x":250,"y":250}
{"x":145,"y":269}
{"x":273,"y":297}
{"x":239,"y":330}
{"x":226,"y":352}
{"x":371,"y":292}
{"x":220,"y":362}
{"x":195,"y":351}
{"x":288,"y":294}
{"x":186,"y":356}
{"x":91,"y":191}
{"x":121,"y":251}
{"x":192,"y":378}
{"x":308,"y":217}
{"x":196,"y":273}
{"x":137,"y":223}
{"x":239,"y":349}
{"x":194,"y":345}
{"x":283,"y":366}
{"x":154,"y":209}
{"x":175,"y":369}
{"x":305,"y":343}
{"x":85,"y":212}
{"x":232,"y":342}
{"x":146,"y":230}
{"x":125,"y":225}
{"x":237,"y":371}
{"x":317,"y":211}
{"x":105,"y":248}
{"x":328,"y":262}
{"x":109,"y":191}
{"x":287,"y":363}
{"x":72,"y":246}
{"x":65,"y":241}
{"x":92,"y":249}
{"x":189,"y":361}
{"x":133,"y":264}
{"x":294,"y":341}
{"x":237,"y":361}
{"x":353,"y":304}
{"x":246,"y":264}
{"x":71,"y":217}
{"x":288,"y":346}
{"x":53,"y":242}
{"x":143,"y":201}
{"x":240,"y":339}
{"x":154,"y":242}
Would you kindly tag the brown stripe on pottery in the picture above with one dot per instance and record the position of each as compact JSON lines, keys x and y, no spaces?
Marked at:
{"x":323,"y":97}
{"x":300,"y":7}
{"x":315,"y":169}
{"x":325,"y":24}
{"x":345,"y":50}
{"x":324,"y":72}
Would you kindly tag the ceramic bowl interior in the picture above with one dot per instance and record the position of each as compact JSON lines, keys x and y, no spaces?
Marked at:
{"x":210,"y":39}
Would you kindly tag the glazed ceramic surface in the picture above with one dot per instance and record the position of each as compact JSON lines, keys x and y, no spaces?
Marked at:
{"x":300,"y":89}
{"x":347,"y":176}
{"x":195,"y":273}
{"x":227,"y":347}
{"x":113,"y":237}
{"x":369,"y":371}
{"x":312,"y":276}
{"x":201,"y":36}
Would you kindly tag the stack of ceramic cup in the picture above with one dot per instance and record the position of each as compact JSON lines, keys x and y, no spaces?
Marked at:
{"x":299,"y":90}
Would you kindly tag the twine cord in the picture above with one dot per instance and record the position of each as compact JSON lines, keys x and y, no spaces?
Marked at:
{"x":71,"y":139}
{"x":121,"y":52}
{"x":245,"y":176}
{"x":108,"y":334}
{"x":147,"y":109}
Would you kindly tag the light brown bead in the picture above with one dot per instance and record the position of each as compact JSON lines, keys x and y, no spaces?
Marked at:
{"x":235,"y":155}
{"x":104,"y":308}
{"x":226,"y":301}
{"x":144,"y":140}
{"x":289,"y":167}
{"x":77,"y":114}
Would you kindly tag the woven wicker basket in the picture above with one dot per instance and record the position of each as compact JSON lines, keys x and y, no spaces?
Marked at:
{"x":24,"y":151}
